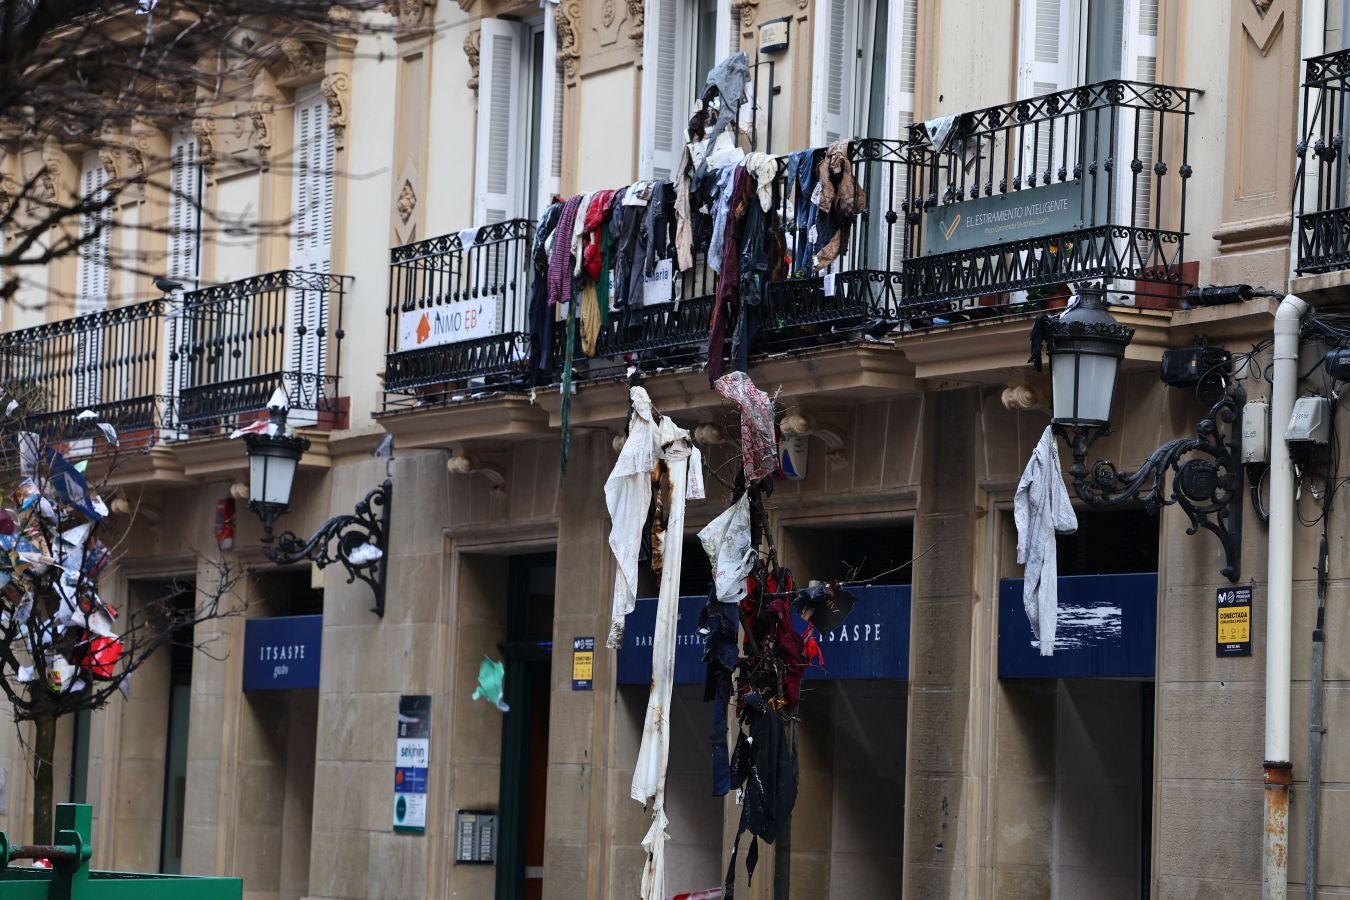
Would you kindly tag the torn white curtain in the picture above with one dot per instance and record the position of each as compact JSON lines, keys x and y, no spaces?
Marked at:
{"x":1041,"y":508}
{"x":628,"y":493}
{"x":649,"y":776}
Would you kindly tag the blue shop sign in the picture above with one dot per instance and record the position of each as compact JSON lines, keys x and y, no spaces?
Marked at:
{"x":282,"y":653}
{"x":1107,"y":628}
{"x":873,"y":644}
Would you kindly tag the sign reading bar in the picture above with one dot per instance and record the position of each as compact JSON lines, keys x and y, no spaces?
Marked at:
{"x":282,"y":653}
{"x":449,"y":323}
{"x":1000,"y":218}
{"x":412,"y":758}
{"x":1234,"y":621}
{"x":583,"y":664}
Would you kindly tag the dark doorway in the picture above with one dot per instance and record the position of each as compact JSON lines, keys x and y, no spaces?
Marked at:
{"x":176,"y":751}
{"x":527,"y":653}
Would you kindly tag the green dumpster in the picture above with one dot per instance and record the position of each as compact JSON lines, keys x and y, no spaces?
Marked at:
{"x":70,"y":878}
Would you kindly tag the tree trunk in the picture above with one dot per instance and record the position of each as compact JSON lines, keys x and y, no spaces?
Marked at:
{"x":44,"y":748}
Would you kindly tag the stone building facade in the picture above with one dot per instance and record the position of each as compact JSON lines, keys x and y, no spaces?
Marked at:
{"x":956,"y":777}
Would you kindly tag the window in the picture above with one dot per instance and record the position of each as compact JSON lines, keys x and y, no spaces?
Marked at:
{"x":681,"y":46}
{"x":520,"y":96}
{"x":861,"y":87}
{"x":92,"y":282}
{"x":314,"y":161}
{"x":1066,"y":43}
{"x":185,"y":194}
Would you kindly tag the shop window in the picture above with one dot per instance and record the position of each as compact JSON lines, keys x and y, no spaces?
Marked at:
{"x":1110,"y":542}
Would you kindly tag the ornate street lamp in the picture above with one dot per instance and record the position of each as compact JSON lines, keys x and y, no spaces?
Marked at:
{"x":1085,"y":346}
{"x":358,"y":540}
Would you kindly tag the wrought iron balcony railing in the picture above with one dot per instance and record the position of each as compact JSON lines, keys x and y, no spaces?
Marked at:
{"x":1087,"y":183}
{"x":108,"y":362}
{"x":457,"y":313}
{"x":233,"y":344}
{"x":1324,"y":188}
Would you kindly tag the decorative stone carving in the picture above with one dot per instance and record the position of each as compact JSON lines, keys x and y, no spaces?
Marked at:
{"x":609,"y":24}
{"x":110,"y":157}
{"x":406,"y":202}
{"x":301,"y":58}
{"x":204,"y":128}
{"x":566,"y":17}
{"x":1262,"y":6}
{"x":1263,"y":28}
{"x":636,"y":18}
{"x":261,"y":114}
{"x":336,"y":89}
{"x":747,"y":9}
{"x":473,"y":43}
{"x":52,"y":175}
{"x":415,"y":13}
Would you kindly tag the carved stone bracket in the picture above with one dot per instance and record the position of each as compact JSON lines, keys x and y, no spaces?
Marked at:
{"x":261,"y":112}
{"x":204,"y":128}
{"x":417,"y":13}
{"x":747,"y":10}
{"x":636,"y":18}
{"x":473,"y":43}
{"x":567,"y":17}
{"x":337,"y":89}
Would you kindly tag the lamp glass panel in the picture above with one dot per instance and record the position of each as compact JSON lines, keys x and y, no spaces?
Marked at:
{"x":1084,"y":385}
{"x":270,"y":478}
{"x":1096,"y":386}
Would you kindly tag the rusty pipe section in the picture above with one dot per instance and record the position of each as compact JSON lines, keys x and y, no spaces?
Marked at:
{"x":1275,"y":838}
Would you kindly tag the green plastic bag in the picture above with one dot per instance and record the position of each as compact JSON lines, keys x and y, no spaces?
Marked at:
{"x":491,"y":677}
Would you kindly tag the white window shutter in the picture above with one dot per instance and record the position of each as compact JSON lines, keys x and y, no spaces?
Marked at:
{"x":92,"y":282}
{"x":727,"y":40}
{"x":550,"y":114}
{"x":314,"y":159}
{"x":1048,"y":61}
{"x":184,"y":196}
{"x":499,"y":161}
{"x":666,"y":105}
{"x":1139,"y":62}
{"x":833,"y":63}
{"x":903,"y":25}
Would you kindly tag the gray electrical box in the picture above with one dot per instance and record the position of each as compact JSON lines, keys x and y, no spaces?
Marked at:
{"x":476,"y":837}
{"x":1310,"y":423}
{"x":1256,"y":432}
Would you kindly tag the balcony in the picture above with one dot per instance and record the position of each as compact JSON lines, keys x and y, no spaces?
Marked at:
{"x":1323,"y":204}
{"x":1088,"y":183}
{"x":108,"y":362}
{"x":994,"y":212}
{"x":233,"y":344}
{"x":458,"y":316}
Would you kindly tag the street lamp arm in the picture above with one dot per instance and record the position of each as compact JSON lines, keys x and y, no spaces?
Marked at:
{"x":1202,"y":475}
{"x":341,"y":536}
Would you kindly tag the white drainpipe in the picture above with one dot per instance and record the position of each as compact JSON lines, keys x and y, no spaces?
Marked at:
{"x":1280,"y":574}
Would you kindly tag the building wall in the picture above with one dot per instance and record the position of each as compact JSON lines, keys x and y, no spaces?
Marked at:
{"x":988,"y":788}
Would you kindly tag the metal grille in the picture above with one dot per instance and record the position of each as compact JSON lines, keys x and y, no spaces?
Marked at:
{"x":1323,"y":207}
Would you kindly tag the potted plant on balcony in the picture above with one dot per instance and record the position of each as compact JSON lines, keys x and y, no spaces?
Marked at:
{"x":1055,"y":259}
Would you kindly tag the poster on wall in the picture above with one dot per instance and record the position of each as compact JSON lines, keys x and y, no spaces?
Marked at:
{"x":583,"y":663}
{"x":1234,"y":621}
{"x":412,"y":755}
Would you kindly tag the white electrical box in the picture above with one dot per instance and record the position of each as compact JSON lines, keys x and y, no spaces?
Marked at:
{"x":1310,"y":422}
{"x":1256,"y":432}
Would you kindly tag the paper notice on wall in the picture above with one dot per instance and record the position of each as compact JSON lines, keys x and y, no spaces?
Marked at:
{"x":827,"y":284}
{"x":412,"y":760}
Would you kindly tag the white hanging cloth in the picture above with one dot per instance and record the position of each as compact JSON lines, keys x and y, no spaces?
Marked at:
{"x":628,"y":493}
{"x":685,"y":465}
{"x":1041,"y":508}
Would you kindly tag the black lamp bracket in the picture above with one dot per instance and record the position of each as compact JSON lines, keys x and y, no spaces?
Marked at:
{"x":338,"y":538}
{"x":1206,"y":475}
